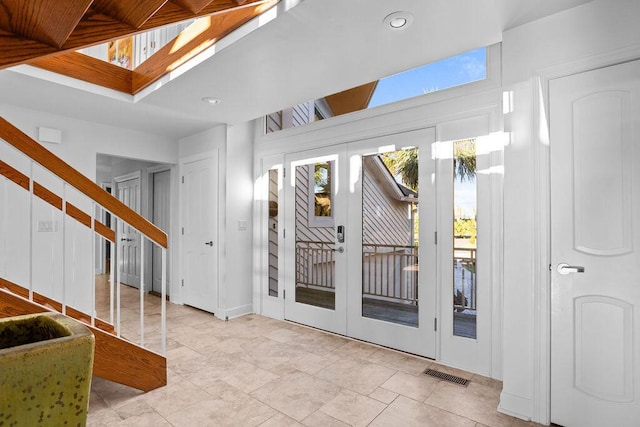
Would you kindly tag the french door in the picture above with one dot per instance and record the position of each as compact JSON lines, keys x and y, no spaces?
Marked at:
{"x":360,"y":253}
{"x":315,"y":244}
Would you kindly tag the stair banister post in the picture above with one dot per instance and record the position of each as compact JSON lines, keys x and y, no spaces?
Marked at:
{"x":141,"y":289}
{"x":163,"y":302}
{"x":118,"y":268}
{"x":31,"y":225}
{"x":64,"y":247}
{"x":112,"y":266}
{"x":93,"y":263}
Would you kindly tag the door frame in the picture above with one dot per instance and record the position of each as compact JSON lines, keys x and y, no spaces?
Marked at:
{"x":541,"y":250}
{"x":151,"y":174}
{"x":114,"y":189}
{"x":179,"y":268}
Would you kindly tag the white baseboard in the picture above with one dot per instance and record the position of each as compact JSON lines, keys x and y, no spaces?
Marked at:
{"x":238,"y":311}
{"x":516,"y":406}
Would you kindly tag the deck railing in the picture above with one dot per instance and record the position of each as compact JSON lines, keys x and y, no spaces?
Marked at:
{"x":315,"y":264}
{"x":464,"y":265}
{"x":390,"y":272}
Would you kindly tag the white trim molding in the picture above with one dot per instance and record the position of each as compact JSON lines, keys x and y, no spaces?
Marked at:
{"x":541,"y":410}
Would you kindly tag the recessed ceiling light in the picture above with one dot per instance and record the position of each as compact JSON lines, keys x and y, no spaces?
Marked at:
{"x":398,"y":20}
{"x":211,"y":100}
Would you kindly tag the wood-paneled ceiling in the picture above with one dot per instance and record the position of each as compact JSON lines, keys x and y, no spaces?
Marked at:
{"x":47,"y":33}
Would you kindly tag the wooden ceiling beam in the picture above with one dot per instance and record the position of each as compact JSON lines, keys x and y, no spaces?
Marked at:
{"x":88,"y":69}
{"x":46,"y":21}
{"x":194,"y":40}
{"x":193,"y":6}
{"x":132,"y":12}
{"x":97,"y":27}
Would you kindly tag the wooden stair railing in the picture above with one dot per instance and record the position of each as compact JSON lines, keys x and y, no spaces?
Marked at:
{"x":54,"y":305}
{"x":54,"y":164}
{"x":115,"y":359}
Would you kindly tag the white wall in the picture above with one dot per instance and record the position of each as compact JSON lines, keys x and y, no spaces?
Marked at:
{"x":235,"y":150}
{"x":596,"y":34}
{"x":237,"y":294}
{"x":81,"y":141}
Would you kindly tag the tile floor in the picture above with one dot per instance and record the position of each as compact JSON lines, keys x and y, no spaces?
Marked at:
{"x":257,"y":371}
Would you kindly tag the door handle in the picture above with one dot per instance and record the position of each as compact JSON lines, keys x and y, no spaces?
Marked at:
{"x":564,"y":268}
{"x":209,"y":243}
{"x":340,"y":249}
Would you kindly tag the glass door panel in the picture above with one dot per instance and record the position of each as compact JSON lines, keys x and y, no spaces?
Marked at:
{"x":390,"y":236}
{"x":465,"y":234}
{"x":315,"y":266}
{"x":392,"y":252}
{"x":315,"y":235}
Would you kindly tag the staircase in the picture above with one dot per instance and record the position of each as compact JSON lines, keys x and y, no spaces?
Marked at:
{"x":116,"y":359}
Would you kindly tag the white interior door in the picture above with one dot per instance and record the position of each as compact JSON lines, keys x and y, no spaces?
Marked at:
{"x":315,"y":267}
{"x":129,"y":245}
{"x":392,"y":250}
{"x":161,"y":204}
{"x":595,"y":226}
{"x":199,"y":203}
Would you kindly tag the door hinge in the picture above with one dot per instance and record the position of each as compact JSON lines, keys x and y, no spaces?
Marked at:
{"x":284,"y":294}
{"x":284,"y":233}
{"x":183,"y":179}
{"x":435,"y":323}
{"x":183,"y":231}
{"x":435,"y":237}
{"x":182,"y":282}
{"x":284,"y":172}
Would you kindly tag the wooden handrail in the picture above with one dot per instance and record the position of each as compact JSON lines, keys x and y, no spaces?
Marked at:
{"x":64,"y":171}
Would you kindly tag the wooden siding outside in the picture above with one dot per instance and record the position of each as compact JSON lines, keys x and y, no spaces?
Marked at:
{"x":273,"y":233}
{"x":385,"y":220}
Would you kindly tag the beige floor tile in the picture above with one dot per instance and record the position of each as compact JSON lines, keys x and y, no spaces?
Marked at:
{"x":280,"y":420}
{"x":320,"y":419}
{"x":353,"y":408}
{"x":312,"y":363}
{"x":406,"y":412}
{"x":403,"y":362}
{"x":489,"y":382}
{"x":218,"y":412}
{"x":357,"y":375}
{"x":216,"y":366}
{"x":414,"y":387}
{"x":174,"y":397}
{"x":105,"y":417}
{"x":247,"y":377}
{"x":383,"y":395}
{"x":114,"y":394}
{"x":283,"y":335}
{"x":476,"y":401}
{"x":356,"y":349}
{"x":150,"y":419}
{"x":267,"y":354}
{"x":297,"y":395}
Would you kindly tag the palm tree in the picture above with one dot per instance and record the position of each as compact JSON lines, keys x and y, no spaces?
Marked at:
{"x":405,"y":163}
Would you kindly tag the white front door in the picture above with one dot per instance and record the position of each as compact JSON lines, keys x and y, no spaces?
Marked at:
{"x":129,"y":193}
{"x":315,"y":243}
{"x":595,"y":246}
{"x":392,"y":248}
{"x":199,"y":228}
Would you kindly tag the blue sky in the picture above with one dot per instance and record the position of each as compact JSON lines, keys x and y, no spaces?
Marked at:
{"x":450,"y":72}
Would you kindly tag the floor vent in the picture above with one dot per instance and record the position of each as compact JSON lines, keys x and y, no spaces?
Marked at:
{"x":447,"y":377}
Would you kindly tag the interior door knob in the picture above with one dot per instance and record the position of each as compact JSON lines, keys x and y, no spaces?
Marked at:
{"x":210,"y":243}
{"x":564,"y":268}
